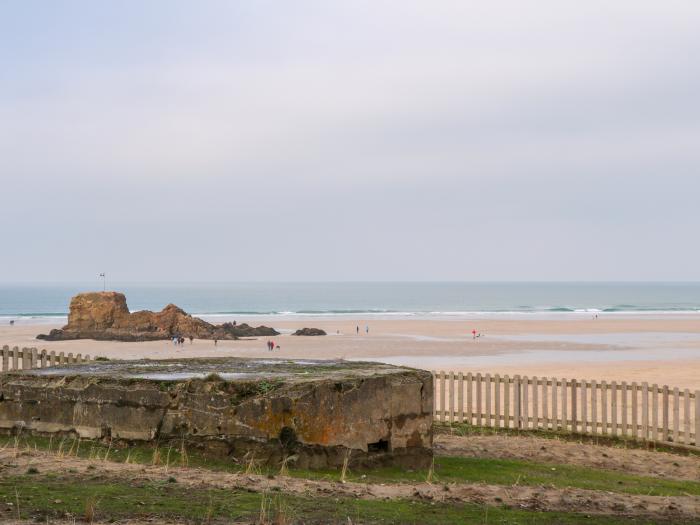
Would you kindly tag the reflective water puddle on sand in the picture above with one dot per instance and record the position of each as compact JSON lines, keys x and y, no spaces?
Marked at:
{"x":549,"y":357}
{"x":628,"y":339}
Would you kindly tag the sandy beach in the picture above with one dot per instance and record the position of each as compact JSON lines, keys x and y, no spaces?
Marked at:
{"x":663,"y":350}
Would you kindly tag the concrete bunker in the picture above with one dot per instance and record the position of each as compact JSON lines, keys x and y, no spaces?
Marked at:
{"x":317,"y":411}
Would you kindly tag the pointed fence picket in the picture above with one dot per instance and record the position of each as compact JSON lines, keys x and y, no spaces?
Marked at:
{"x":616,"y":408}
{"x":16,"y":358}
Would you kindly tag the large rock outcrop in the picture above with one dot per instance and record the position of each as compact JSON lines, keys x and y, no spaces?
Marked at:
{"x":319,"y":412}
{"x":105,"y":316}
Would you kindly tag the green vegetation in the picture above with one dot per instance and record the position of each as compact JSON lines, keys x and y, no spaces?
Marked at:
{"x":465,"y":429}
{"x":47,"y":497}
{"x":446,"y":469}
{"x":517,"y":472}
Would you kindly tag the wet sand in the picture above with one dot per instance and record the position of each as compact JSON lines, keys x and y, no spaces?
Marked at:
{"x":657,"y":350}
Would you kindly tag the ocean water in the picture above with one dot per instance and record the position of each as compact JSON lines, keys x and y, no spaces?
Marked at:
{"x":364,"y":299}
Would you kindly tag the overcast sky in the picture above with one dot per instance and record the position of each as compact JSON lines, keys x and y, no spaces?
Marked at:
{"x":362,"y":140}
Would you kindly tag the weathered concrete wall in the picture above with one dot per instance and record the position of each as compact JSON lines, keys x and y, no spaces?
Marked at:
{"x":316,"y":410}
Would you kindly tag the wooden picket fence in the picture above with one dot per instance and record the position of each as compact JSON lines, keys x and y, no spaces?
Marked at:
{"x":30,"y":358}
{"x":616,"y":408}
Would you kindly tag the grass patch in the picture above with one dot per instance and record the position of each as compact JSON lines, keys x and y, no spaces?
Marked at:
{"x":445,"y":469}
{"x":44,"y":498}
{"x":512,"y":472}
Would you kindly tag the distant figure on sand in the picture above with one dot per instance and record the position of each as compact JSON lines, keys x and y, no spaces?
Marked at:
{"x":216,"y":342}
{"x":12,"y":322}
{"x":357,"y":329}
{"x":191,"y":339}
{"x":474,"y":333}
{"x":367,"y":329}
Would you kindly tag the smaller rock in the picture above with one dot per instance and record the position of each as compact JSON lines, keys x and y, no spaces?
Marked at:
{"x":309,"y":331}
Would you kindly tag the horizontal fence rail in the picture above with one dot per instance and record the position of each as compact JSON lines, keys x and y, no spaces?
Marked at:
{"x":606,"y":408}
{"x":29,"y":358}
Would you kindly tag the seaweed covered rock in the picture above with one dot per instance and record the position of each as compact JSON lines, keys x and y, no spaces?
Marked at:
{"x":309,"y":331}
{"x":245,"y":330}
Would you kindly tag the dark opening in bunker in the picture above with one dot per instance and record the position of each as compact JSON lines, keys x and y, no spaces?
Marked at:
{"x":380,"y":446}
{"x":288,"y":437}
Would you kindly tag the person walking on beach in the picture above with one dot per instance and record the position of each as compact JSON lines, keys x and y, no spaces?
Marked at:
{"x":367,"y":329}
{"x":357,"y":329}
{"x":216,"y":342}
{"x":191,"y":339}
{"x":474,"y":333}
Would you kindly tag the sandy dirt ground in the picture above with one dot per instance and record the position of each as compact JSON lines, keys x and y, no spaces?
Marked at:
{"x":682,"y":508}
{"x":556,"y":451}
{"x":656,"y":350}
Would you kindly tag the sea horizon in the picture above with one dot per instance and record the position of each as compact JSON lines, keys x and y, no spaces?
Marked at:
{"x":46,"y":302}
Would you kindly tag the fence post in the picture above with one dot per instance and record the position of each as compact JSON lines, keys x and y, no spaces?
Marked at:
{"x":436,"y":393}
{"x":79,"y":358}
{"x":442,"y":395}
{"x":525,"y":410}
{"x":545,"y":402}
{"x":478,"y":399}
{"x":15,"y":358}
{"x":697,"y":418}
{"x":506,"y":401}
{"x":645,"y":411}
{"x":34,"y":359}
{"x":676,"y":414}
{"x":470,"y":405}
{"x":517,"y":422}
{"x":52,"y":358}
{"x":664,"y":413}
{"x":635,"y":412}
{"x":452,"y":397}
{"x":555,"y":412}
{"x":686,"y":416}
{"x":574,"y":401}
{"x":460,"y":396}
{"x":623,"y":405}
{"x":613,"y":408}
{"x":655,"y":412}
{"x":42,"y":358}
{"x":5,"y":358}
{"x":497,"y":399}
{"x":594,"y":407}
{"x":584,"y":406}
{"x":535,"y":404}
{"x":604,"y":406}
{"x":487,"y":399}
{"x":564,"y":405}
